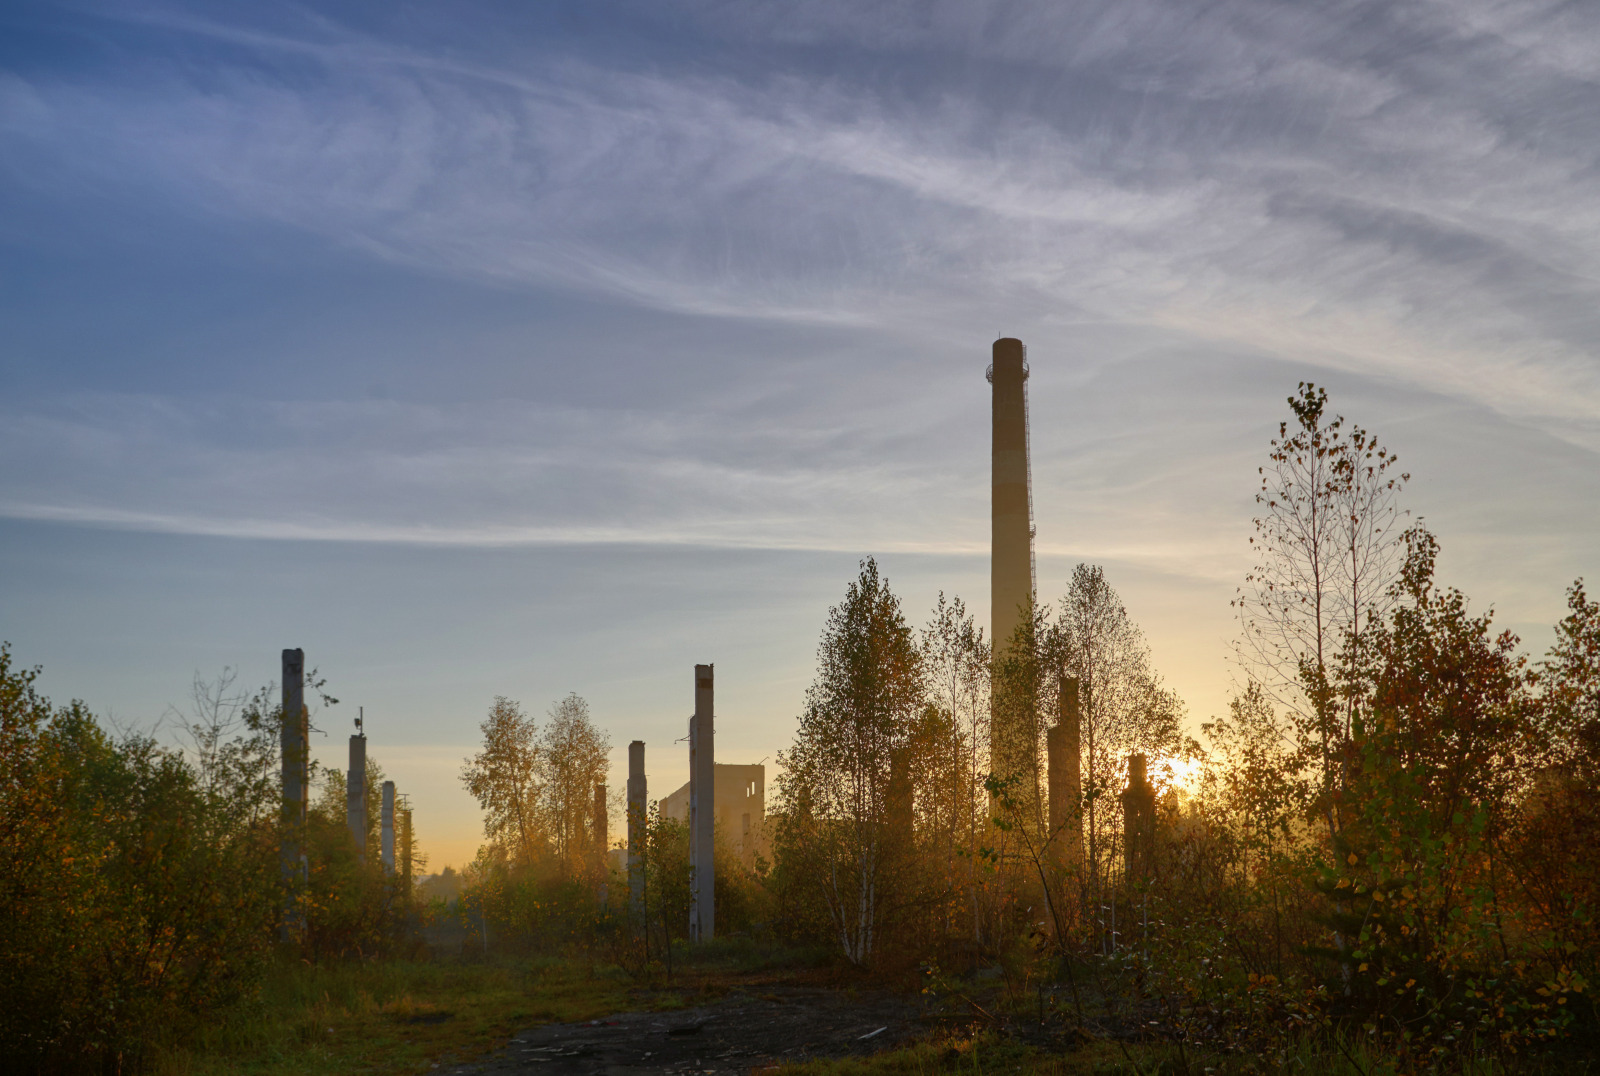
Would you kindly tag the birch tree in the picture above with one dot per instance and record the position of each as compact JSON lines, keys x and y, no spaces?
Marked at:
{"x":955,"y":660}
{"x":953,"y":752}
{"x":506,"y":779}
{"x":576,"y":757}
{"x":1327,"y":556}
{"x":1124,"y":706}
{"x":858,"y":715}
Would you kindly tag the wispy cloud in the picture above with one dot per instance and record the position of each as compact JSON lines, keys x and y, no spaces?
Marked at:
{"x":1259,"y":173}
{"x":515,"y":474}
{"x":1337,"y":187}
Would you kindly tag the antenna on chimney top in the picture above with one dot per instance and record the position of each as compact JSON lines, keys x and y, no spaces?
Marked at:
{"x":361,"y":716}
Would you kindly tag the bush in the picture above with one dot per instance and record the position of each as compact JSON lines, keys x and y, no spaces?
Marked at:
{"x":133,"y":900}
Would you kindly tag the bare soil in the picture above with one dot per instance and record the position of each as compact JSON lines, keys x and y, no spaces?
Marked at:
{"x":749,"y":1028}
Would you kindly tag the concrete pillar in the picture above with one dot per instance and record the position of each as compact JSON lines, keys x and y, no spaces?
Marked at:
{"x":702,"y":810}
{"x":355,"y":794}
{"x":600,"y":825}
{"x":405,"y":851}
{"x":900,"y":796}
{"x":1011,"y":541}
{"x":296,"y":780}
{"x":1138,"y":821}
{"x":637,"y":791}
{"x":1066,"y":781}
{"x":388,"y":827}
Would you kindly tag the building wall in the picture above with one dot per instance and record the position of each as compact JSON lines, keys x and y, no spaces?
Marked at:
{"x":741,"y":795}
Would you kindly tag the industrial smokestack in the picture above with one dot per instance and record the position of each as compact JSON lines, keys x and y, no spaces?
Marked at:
{"x":1011,"y":539}
{"x":702,"y":810}
{"x":296,"y":779}
{"x":1011,"y":559}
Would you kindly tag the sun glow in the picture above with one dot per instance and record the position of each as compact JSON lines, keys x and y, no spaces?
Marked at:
{"x":1174,"y":772}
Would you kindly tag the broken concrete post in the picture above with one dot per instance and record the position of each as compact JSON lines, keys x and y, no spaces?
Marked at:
{"x":600,"y":825}
{"x":636,"y":829}
{"x":296,"y":781}
{"x":899,"y":797}
{"x":702,"y":810}
{"x":1066,"y":781}
{"x":355,"y":794}
{"x":1138,"y":821}
{"x":405,"y":851}
{"x":388,"y":827}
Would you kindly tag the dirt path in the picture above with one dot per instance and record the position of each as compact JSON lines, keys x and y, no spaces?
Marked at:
{"x":745,"y":1030}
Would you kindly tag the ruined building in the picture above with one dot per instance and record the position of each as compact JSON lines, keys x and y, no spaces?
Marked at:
{"x":740,"y":808}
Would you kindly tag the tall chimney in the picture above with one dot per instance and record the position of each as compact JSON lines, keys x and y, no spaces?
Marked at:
{"x":1011,"y":541}
{"x":702,"y":811}
{"x":296,"y":780}
{"x":636,"y":829}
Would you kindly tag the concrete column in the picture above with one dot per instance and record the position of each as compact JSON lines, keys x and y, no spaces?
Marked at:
{"x":1066,"y":781}
{"x":637,"y":791}
{"x":296,"y":779}
{"x":388,"y":827}
{"x":405,"y":851}
{"x":900,"y":796}
{"x":600,"y":824}
{"x":702,"y":810}
{"x":1138,"y":822}
{"x":355,"y":794}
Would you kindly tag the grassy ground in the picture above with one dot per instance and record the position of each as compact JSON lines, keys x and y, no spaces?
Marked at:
{"x":412,"y":1017}
{"x":398,"y":1017}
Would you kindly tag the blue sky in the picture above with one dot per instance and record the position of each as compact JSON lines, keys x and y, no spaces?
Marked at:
{"x":523,"y":349}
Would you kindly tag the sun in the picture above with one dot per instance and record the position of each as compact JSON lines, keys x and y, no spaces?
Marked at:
{"x":1176,"y":772}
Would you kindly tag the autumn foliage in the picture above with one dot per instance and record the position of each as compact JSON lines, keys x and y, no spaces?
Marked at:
{"x":1384,"y":852}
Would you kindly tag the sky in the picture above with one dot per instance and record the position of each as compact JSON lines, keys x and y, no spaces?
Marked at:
{"x":525,"y":349}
